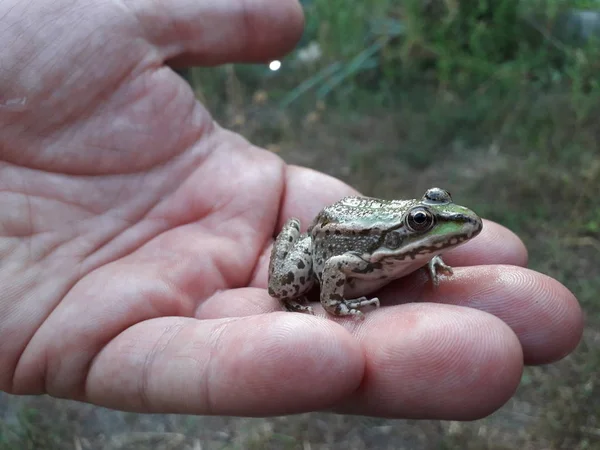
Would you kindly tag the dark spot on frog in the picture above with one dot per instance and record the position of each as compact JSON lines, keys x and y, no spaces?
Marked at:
{"x":337,"y":232}
{"x":327,"y":232}
{"x":289,"y":278}
{"x":284,"y":255}
{"x":341,"y":282}
{"x":301,"y":264}
{"x":291,"y":239}
{"x":302,"y":280}
{"x":336,"y":297}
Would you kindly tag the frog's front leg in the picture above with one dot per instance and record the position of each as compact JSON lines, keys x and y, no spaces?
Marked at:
{"x":291,"y":268}
{"x":334,"y":275}
{"x":436,"y":266}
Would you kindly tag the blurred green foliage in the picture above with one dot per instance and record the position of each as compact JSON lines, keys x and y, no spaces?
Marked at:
{"x":371,"y":51}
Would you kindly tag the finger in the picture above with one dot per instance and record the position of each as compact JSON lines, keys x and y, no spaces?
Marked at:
{"x":543,"y":313}
{"x":435,"y":362}
{"x":210,"y":33}
{"x":260,"y":365}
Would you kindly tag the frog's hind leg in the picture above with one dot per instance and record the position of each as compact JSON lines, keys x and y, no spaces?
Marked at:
{"x":291,"y":269}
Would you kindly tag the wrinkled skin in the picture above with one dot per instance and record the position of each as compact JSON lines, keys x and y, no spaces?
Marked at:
{"x":135,"y":233}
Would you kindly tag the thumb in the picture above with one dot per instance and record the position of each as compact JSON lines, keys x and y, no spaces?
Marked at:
{"x":201,"y":32}
{"x":101,"y":64}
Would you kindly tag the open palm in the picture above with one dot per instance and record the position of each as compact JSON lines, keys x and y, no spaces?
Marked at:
{"x":135,"y":235}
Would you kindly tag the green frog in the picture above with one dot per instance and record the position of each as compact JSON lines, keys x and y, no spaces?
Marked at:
{"x":359,"y":244}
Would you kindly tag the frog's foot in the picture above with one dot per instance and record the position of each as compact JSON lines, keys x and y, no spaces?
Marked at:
{"x":298,"y":305}
{"x":352,"y":307}
{"x":436,"y":267}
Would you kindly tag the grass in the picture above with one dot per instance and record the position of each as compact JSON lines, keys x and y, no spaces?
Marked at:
{"x":488,"y":99}
{"x":30,"y":430}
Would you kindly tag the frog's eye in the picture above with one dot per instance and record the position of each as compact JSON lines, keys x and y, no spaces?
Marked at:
{"x":419,"y":219}
{"x":392,"y":240}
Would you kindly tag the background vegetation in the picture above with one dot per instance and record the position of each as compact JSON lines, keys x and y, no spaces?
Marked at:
{"x":497,"y":101}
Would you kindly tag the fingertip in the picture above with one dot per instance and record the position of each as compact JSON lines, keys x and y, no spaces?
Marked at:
{"x":551,"y":323}
{"x":209,"y":33}
{"x":542,"y":312}
{"x":290,"y":20}
{"x":505,"y":245}
{"x":437,"y":362}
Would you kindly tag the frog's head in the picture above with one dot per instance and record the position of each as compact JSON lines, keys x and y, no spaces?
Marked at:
{"x":430,"y":226}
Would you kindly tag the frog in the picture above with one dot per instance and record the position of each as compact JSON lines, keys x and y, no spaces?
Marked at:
{"x":357,"y":245}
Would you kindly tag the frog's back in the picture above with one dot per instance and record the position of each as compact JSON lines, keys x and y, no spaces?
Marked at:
{"x":362,"y":213}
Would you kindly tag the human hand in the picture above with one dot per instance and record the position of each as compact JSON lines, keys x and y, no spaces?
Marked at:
{"x":135,"y":235}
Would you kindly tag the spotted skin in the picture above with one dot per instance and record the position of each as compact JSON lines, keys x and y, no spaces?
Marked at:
{"x":359,"y":244}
